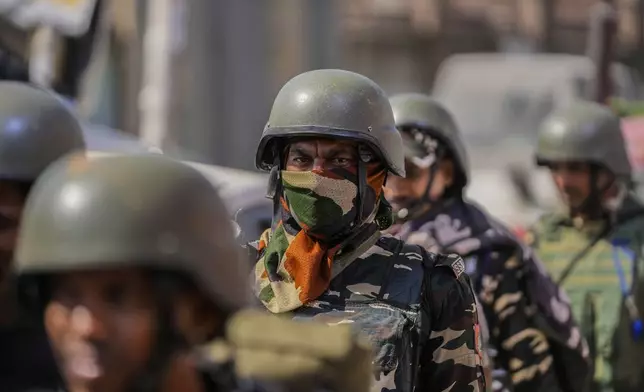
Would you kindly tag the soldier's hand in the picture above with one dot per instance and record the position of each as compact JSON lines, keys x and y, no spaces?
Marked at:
{"x":303,"y":356}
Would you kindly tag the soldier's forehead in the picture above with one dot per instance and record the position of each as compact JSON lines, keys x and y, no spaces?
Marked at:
{"x":312,"y":143}
{"x":96,"y":274}
{"x":568,"y":163}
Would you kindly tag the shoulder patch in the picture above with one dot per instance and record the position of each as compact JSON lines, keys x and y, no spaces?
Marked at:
{"x":453,"y":261}
{"x":458,"y":266}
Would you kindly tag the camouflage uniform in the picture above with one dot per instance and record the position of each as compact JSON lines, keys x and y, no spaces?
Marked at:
{"x":510,"y":281}
{"x":417,"y":308}
{"x":598,"y":262}
{"x":35,"y":129}
{"x":114,"y":221}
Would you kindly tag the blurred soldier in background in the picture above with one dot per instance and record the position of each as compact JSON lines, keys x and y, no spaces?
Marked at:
{"x":517,"y":297}
{"x":130,"y":262}
{"x":594,"y":249}
{"x":330,"y":144}
{"x":35,"y":130}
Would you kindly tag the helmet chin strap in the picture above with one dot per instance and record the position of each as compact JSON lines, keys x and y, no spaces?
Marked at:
{"x":593,"y":205}
{"x":274,"y":187}
{"x":420,"y":205}
{"x":365,"y":156}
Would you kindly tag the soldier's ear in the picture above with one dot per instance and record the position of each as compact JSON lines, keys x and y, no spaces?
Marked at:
{"x":447,"y":169}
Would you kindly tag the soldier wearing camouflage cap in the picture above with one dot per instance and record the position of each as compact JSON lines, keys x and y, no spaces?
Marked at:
{"x":330,"y":144}
{"x":432,"y":212}
{"x":131,"y":263}
{"x":593,"y":249}
{"x":36,"y":129}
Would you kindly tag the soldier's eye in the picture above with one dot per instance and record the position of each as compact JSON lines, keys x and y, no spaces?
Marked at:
{"x":67,"y":295}
{"x":300,"y":160}
{"x":576,"y":167}
{"x":341,"y":161}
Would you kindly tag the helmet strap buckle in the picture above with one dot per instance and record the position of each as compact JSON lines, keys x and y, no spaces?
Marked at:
{"x":274,"y":178}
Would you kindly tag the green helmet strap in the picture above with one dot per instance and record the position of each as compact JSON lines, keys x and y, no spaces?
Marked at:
{"x":593,"y":204}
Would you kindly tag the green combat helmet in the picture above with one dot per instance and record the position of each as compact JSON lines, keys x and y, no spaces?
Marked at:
{"x":152,"y":212}
{"x":413,"y":110}
{"x":587,"y":132}
{"x":36,"y":128}
{"x":332,"y":103}
{"x":141,"y":211}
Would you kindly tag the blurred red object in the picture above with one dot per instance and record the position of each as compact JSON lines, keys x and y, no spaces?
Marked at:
{"x":520,"y":232}
{"x":633,"y":131}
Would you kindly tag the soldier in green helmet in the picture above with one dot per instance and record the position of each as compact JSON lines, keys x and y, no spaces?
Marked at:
{"x":36,"y":128}
{"x":431,"y":211}
{"x":130,"y":263}
{"x":330,"y":144}
{"x":593,"y":249}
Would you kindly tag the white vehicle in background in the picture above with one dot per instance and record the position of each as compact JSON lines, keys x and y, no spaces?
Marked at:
{"x":499,"y":100}
{"x":244,"y":193}
{"x":104,"y":139}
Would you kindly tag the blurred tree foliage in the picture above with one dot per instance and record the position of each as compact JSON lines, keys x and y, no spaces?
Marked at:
{"x":625,"y":108}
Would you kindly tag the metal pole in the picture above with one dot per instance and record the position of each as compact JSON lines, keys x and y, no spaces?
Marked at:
{"x":44,"y":56}
{"x":548,"y":25}
{"x":321,"y":34}
{"x":640,"y":32}
{"x":601,"y":44}
{"x":157,"y":59}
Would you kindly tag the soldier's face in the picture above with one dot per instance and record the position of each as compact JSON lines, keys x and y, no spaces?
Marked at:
{"x":12,"y":199}
{"x":101,"y":325}
{"x":573,"y":181}
{"x":320,"y":154}
{"x":400,"y":192}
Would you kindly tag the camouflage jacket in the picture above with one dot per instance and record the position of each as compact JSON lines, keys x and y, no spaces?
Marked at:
{"x":419,"y":311}
{"x":605,"y":254}
{"x":533,"y":336}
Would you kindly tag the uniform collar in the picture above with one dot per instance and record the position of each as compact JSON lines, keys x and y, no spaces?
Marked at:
{"x":621,"y":208}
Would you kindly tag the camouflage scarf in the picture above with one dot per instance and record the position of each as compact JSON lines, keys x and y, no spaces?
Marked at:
{"x":312,"y":224}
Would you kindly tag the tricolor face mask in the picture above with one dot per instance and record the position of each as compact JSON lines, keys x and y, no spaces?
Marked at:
{"x":323,"y":203}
